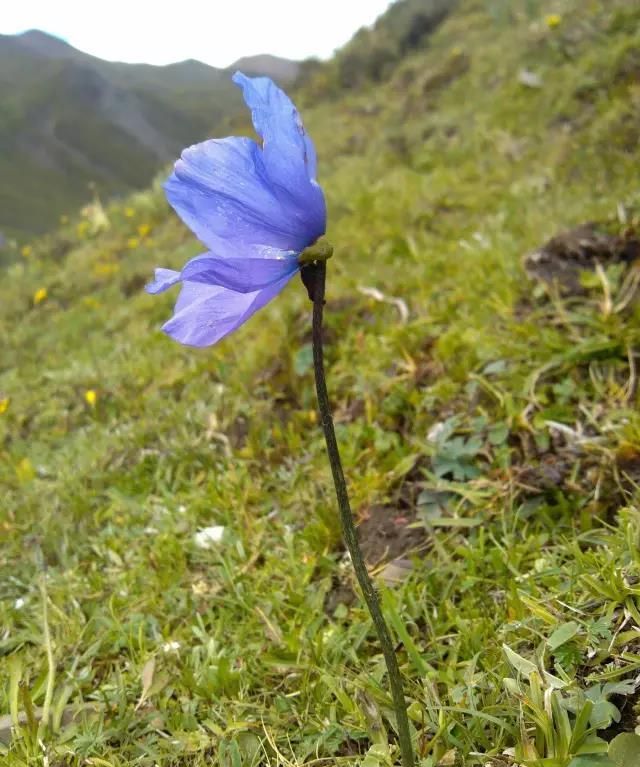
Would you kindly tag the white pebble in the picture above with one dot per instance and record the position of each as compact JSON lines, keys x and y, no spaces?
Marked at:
{"x":209,"y":535}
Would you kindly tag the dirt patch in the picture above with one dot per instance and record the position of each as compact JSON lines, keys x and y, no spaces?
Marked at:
{"x":570,"y":469}
{"x":352,"y":747}
{"x":551,"y":473}
{"x":349,"y":747}
{"x":629,"y":708}
{"x":134,"y":284}
{"x":385,"y":535}
{"x":440,"y":77}
{"x":341,"y":593}
{"x":628,"y":466}
{"x":562,"y":259}
{"x":238,"y":431}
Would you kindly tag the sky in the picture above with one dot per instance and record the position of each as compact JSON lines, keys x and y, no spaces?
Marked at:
{"x":217,"y":32}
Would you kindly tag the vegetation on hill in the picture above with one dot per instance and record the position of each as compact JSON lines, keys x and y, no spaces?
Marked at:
{"x":171,"y":574}
{"x":374,"y":51}
{"x":71,"y":123}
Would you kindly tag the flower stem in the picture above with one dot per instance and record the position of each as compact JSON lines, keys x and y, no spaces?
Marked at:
{"x":314,"y":277}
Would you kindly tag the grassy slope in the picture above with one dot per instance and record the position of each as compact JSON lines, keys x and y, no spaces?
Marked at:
{"x":434,"y":194}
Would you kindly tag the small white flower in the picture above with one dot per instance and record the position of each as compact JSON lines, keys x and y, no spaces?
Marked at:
{"x":529,"y":79}
{"x":209,"y":535}
{"x":170,"y":647}
{"x":19,"y":603}
{"x":540,"y":564}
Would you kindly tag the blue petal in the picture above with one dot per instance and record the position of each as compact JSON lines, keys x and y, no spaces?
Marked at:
{"x":289,"y":154}
{"x":204,"y":314}
{"x":243,"y":275}
{"x":221,"y":191}
{"x":163,"y":280}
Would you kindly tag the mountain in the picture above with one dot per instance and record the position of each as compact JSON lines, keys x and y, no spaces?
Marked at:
{"x":281,"y":70}
{"x":71,"y":123}
{"x":43,"y":45}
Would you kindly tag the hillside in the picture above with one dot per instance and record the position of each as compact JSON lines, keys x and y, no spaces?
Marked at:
{"x":283,"y":71}
{"x":71,"y":123}
{"x":375,"y":50}
{"x":171,"y":566}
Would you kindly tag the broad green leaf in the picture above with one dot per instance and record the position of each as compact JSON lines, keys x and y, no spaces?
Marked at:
{"x":624,"y":750}
{"x":520,"y":664}
{"x":562,"y":635}
{"x":604,"y":714}
{"x":526,"y":668}
{"x":591,"y":760}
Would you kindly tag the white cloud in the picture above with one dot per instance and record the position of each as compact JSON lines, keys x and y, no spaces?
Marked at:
{"x":217,"y":32}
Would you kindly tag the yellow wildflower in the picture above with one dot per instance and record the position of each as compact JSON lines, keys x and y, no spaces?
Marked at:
{"x":129,"y":212}
{"x":91,"y":397}
{"x":132,"y":243}
{"x":39,"y":296}
{"x":312,"y":416}
{"x":25,"y":471}
{"x":4,"y":404}
{"x":105,"y":269}
{"x":553,"y":20}
{"x":26,"y":251}
{"x":143,"y":230}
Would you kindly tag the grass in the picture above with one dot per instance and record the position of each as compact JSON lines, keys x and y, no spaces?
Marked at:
{"x":500,"y":417}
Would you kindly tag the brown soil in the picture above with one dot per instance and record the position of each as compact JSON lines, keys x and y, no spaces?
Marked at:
{"x":628,"y":464}
{"x":540,"y":473}
{"x":134,"y":284}
{"x":550,"y":473}
{"x":629,"y":719}
{"x":561,"y":260}
{"x":385,"y":535}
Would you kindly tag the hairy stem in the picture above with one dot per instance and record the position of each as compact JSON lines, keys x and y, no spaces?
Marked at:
{"x":314,"y":278}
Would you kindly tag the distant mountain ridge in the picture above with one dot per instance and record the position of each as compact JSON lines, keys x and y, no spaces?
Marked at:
{"x":69,"y":120}
{"x":282,"y":70}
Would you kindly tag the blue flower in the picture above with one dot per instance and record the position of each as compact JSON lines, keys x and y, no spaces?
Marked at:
{"x":255,"y":207}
